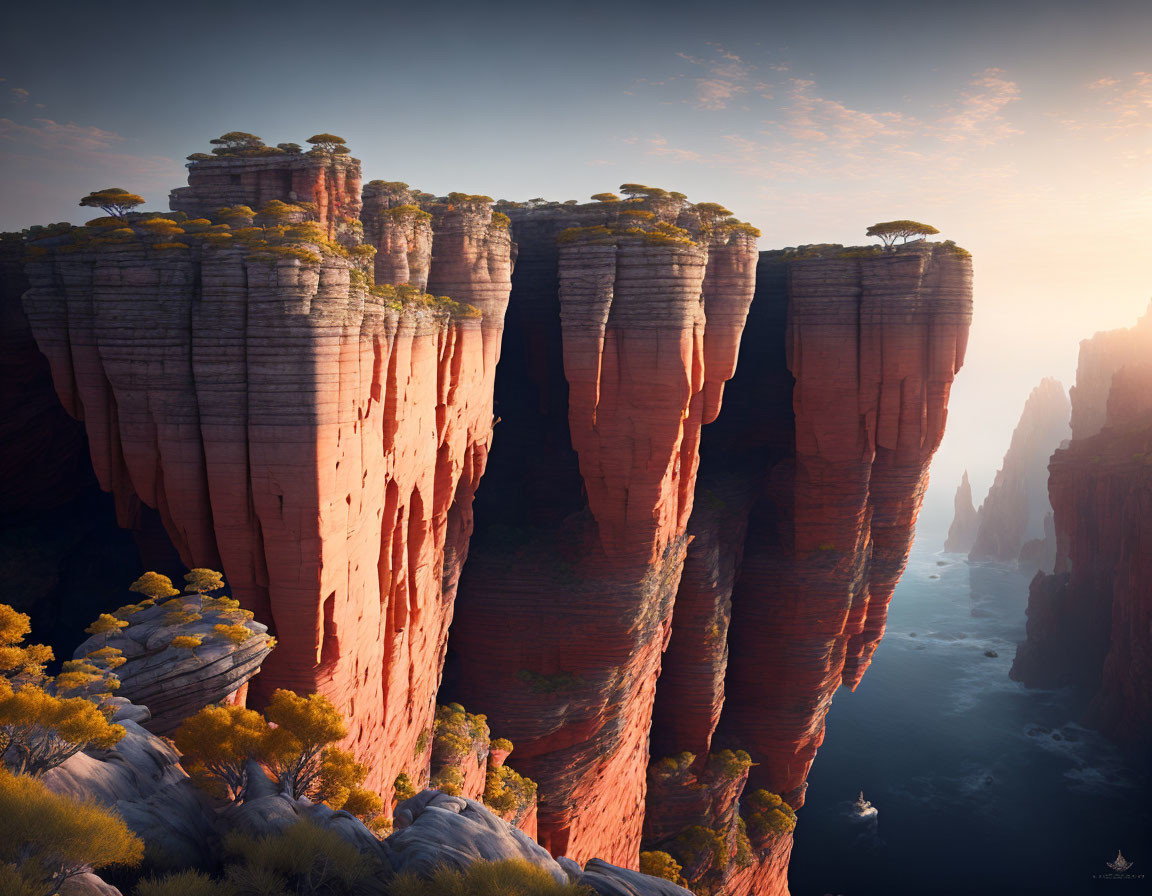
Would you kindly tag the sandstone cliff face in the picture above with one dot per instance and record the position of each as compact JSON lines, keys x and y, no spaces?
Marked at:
{"x":318,"y":443}
{"x":1090,"y":622}
{"x":1017,"y":503}
{"x":965,"y":521}
{"x":1100,"y":357}
{"x":400,"y":231}
{"x":329,"y":184}
{"x":610,"y":369}
{"x":809,"y":485}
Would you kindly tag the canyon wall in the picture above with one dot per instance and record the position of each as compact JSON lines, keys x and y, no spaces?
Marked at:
{"x":677,"y":559}
{"x":317,"y":438}
{"x":1016,"y":508}
{"x":1090,"y":621}
{"x":618,"y":344}
{"x":810,"y":483}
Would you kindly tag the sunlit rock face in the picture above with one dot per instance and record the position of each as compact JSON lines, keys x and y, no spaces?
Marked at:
{"x":665,"y":562}
{"x":1015,"y":510}
{"x":610,"y":369}
{"x":1090,"y":621}
{"x":318,"y":443}
{"x":809,"y":486}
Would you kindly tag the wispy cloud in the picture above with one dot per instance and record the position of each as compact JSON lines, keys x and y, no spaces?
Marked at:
{"x":725,"y":77}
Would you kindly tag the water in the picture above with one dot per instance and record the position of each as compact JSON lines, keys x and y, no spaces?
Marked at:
{"x":982,"y":786}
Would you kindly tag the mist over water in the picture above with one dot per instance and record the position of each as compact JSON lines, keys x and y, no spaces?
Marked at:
{"x":982,"y":786}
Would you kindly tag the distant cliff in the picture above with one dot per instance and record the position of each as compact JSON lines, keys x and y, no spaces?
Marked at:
{"x":965,"y":520}
{"x":1090,"y":622}
{"x":1015,"y":510}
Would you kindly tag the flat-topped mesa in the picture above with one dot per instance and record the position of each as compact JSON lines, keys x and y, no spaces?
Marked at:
{"x":317,"y":438}
{"x":1017,"y":504}
{"x":564,"y":607}
{"x":325,"y":183}
{"x":1090,"y":622}
{"x":400,"y":231}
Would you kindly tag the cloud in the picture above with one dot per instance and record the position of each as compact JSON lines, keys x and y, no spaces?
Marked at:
{"x":43,"y":133}
{"x":18,"y":94}
{"x":726,"y":77}
{"x":979,"y":117}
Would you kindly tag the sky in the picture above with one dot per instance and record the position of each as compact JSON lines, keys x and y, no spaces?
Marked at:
{"x":1022,"y":130}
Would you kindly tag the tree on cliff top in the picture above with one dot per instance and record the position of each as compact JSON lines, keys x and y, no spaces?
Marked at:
{"x":327,"y":142}
{"x":890,"y":231}
{"x":114,"y":201}
{"x":236,"y":143}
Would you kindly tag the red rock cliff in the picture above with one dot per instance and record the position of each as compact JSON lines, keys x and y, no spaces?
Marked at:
{"x":611,"y":368}
{"x":319,"y":441}
{"x":809,"y":486}
{"x":1090,"y":622}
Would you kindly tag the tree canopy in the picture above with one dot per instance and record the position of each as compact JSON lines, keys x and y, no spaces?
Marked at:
{"x":235,"y":143}
{"x":890,"y":231}
{"x":326,"y":142}
{"x":46,"y":838}
{"x":113,"y":201}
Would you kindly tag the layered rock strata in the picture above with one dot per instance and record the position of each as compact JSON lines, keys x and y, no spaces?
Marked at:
{"x":317,"y":440}
{"x":1090,"y":621}
{"x":810,"y":483}
{"x":1014,"y":511}
{"x":610,"y":369}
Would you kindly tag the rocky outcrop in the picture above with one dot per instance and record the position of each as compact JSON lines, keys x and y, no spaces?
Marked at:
{"x":141,"y":778}
{"x":564,"y":607}
{"x":965,"y":521}
{"x":317,"y":440}
{"x":1014,"y":511}
{"x":1090,"y":621}
{"x":325,"y":184}
{"x":400,"y":231}
{"x":221,"y":648}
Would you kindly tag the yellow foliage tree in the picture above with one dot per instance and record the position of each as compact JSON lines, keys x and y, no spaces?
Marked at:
{"x":115,"y":202}
{"x":46,"y":838}
{"x":17,"y":660}
{"x":154,"y":586}
{"x":305,"y":727}
{"x":106,"y":623}
{"x":38,"y":730}
{"x":201,"y":581}
{"x":217,"y":744}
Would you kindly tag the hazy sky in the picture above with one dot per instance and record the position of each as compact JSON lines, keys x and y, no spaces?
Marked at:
{"x":1022,"y":130}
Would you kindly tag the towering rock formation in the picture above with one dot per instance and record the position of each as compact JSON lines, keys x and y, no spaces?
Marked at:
{"x":316,"y":438}
{"x":965,"y":520}
{"x":809,"y":488}
{"x":302,"y":415}
{"x":1016,"y":508}
{"x":611,"y":367}
{"x":1090,"y":622}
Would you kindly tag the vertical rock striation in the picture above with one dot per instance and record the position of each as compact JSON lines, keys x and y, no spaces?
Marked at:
{"x":318,"y":440}
{"x":1017,"y":504}
{"x":564,"y":608}
{"x":809,"y":487}
{"x":1090,"y":621}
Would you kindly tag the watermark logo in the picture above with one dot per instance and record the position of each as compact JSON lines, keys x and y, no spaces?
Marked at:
{"x":1119,"y":864}
{"x":1120,"y":869}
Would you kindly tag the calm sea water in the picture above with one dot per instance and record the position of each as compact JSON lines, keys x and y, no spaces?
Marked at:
{"x":982,"y":786}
